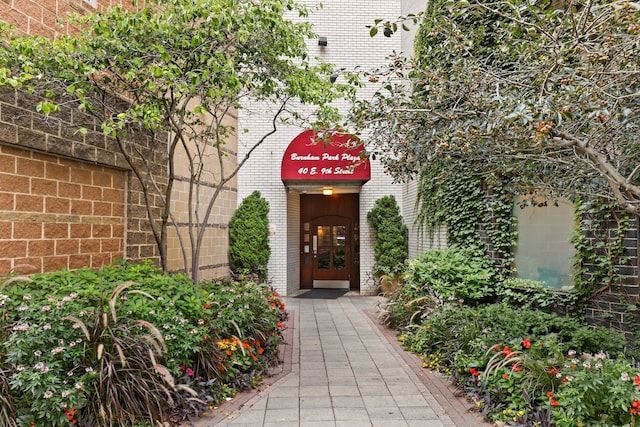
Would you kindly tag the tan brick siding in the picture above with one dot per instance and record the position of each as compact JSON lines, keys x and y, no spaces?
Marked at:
{"x":58,"y":213}
{"x":41,"y":17}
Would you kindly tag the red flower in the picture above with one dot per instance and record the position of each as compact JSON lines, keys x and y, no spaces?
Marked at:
{"x":635,"y":407}
{"x":526,"y":343}
{"x":553,"y":402}
{"x":507,"y":351}
{"x":280,"y":325}
{"x":517,"y":367}
{"x":474,"y":372}
{"x":549,"y":395}
{"x":553,"y":371}
{"x":636,"y":380}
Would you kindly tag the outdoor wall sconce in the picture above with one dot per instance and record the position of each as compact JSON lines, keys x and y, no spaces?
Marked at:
{"x":327,"y":191}
{"x":322,"y":41}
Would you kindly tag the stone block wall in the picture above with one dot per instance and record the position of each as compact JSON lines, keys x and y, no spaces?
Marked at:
{"x":40,"y":17}
{"x":57,"y":135}
{"x":58,"y":213}
{"x":66,"y":199}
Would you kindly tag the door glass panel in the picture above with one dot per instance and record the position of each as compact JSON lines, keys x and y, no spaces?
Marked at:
{"x":324,"y":247}
{"x":331,"y":252}
{"x":339,"y":238}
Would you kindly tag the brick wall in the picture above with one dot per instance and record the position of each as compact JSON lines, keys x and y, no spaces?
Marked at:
{"x":78,"y":185}
{"x":58,"y":213}
{"x":57,"y":135}
{"x":39,"y":17}
{"x":614,"y":307}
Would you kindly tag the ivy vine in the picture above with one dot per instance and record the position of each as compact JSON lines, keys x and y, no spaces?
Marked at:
{"x":477,"y":214}
{"x":600,"y":254}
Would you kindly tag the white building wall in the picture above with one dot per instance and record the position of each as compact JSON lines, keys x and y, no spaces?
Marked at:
{"x":344,"y":23}
{"x":293,"y":242}
{"x":419,"y":240}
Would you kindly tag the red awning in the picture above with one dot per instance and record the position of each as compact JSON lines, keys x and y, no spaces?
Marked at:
{"x":333,"y":157}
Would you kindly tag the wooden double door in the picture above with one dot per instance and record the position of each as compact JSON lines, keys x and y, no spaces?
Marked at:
{"x":330,"y":241}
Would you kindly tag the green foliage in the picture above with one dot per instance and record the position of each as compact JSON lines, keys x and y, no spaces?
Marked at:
{"x":452,"y":273}
{"x":514,"y":88}
{"x":470,"y":206}
{"x":249,"y":249}
{"x":531,"y":294}
{"x":516,"y":361}
{"x":599,"y":247}
{"x":392,"y":236}
{"x":130,"y":343}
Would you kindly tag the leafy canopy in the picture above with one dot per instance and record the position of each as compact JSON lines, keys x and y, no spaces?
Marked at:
{"x":544,"y":91}
{"x":179,"y":68}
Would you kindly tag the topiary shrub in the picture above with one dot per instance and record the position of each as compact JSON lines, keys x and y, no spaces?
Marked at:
{"x":392,"y":237}
{"x":249,"y":249}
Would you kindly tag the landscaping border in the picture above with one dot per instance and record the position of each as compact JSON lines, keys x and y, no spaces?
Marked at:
{"x":461,"y":411}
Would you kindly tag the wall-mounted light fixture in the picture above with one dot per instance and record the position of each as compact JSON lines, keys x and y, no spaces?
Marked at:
{"x":327,"y":191}
{"x":322,"y":41}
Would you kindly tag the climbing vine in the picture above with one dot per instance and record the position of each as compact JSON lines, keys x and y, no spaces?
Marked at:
{"x":598,"y":239}
{"x":477,"y":214}
{"x":601,"y":262}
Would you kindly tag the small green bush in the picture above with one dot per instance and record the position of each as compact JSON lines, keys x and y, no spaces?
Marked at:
{"x":453,"y":273}
{"x":392,"y":237}
{"x":249,"y":249}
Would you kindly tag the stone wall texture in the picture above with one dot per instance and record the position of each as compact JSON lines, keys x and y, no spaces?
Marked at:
{"x":95,"y":172}
{"x":58,"y":213}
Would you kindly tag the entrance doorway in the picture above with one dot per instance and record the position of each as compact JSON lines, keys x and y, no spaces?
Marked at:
{"x":330,"y":242}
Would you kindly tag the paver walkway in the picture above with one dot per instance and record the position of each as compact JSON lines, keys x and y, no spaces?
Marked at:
{"x":344,"y":372}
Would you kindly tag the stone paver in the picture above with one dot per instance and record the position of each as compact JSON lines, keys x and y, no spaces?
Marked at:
{"x":344,"y":372}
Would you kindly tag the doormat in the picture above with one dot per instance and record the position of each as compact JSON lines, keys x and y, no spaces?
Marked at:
{"x":323,"y":294}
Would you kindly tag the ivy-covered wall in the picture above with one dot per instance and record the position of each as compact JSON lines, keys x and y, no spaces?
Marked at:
{"x":607,"y":276}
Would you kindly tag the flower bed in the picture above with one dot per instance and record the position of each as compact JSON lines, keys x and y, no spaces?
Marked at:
{"x":529,"y":368}
{"x":128,"y":344}
{"x":521,"y":364}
